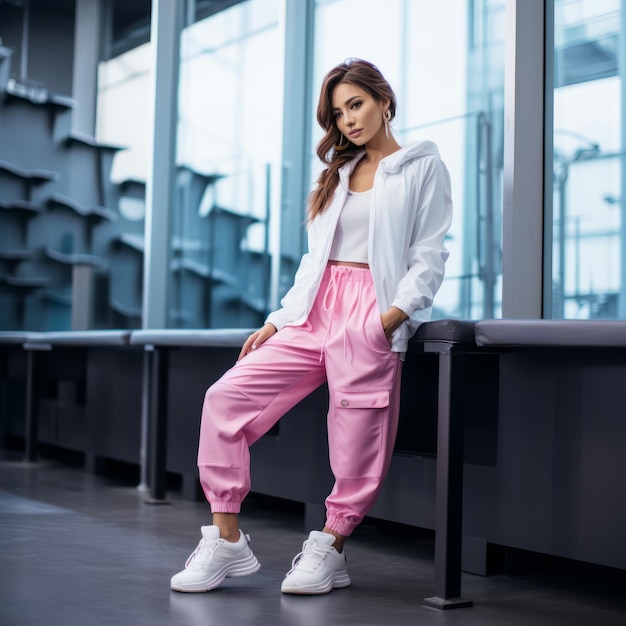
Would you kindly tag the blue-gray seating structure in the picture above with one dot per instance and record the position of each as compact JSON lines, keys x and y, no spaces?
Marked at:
{"x":135,"y":396}
{"x":511,"y":431}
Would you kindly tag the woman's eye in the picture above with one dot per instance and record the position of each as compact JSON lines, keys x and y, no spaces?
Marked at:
{"x":356,"y":105}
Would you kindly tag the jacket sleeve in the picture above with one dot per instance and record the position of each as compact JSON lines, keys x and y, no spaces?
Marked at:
{"x":427,"y":254}
{"x":293,"y":302}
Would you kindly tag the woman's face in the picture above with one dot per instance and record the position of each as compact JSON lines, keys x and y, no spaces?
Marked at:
{"x":357,"y":114}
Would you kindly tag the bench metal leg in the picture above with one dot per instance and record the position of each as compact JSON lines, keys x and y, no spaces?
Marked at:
{"x":32,"y":417}
{"x":157,"y":362}
{"x":449,"y":497}
{"x":145,"y":421}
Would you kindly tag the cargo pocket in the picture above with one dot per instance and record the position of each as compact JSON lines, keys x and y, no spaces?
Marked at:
{"x":357,"y":427}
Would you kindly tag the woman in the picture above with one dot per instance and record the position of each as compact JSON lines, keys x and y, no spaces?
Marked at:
{"x":378,"y":218}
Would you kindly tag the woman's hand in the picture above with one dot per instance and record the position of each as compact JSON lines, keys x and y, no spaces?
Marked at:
{"x":392,"y":319}
{"x":256,"y":339}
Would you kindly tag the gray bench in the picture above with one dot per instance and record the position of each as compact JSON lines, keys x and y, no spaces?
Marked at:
{"x":551,"y":333}
{"x":37,"y":343}
{"x":157,"y":344}
{"x":558,"y":486}
{"x":14,"y":338}
{"x":13,"y":366}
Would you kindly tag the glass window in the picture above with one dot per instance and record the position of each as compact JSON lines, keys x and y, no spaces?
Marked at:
{"x":589,"y":169}
{"x":124,"y":89}
{"x":229,"y":142}
{"x":229,"y":137}
{"x":445,"y":62}
{"x":447,"y":68}
{"x":123,"y":99}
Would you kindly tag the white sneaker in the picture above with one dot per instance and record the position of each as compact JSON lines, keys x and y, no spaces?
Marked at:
{"x":319,"y":568}
{"x":213,"y":560}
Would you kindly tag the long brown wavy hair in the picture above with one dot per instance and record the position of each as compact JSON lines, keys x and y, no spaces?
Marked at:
{"x":367,"y":77}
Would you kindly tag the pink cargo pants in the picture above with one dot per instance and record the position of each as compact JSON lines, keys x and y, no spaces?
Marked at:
{"x":342,"y":342}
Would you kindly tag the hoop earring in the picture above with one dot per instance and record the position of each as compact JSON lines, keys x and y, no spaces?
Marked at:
{"x":386,"y":120}
{"x":341,"y":146}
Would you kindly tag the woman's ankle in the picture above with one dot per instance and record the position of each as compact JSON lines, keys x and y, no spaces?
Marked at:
{"x":228,"y":523}
{"x":339,"y":539}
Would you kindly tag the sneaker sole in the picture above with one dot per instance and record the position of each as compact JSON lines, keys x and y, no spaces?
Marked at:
{"x":244,"y":567}
{"x":336,"y":581}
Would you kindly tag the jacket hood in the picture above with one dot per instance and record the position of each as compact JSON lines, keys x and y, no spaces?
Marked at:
{"x":394,"y":162}
{"x":415,"y":150}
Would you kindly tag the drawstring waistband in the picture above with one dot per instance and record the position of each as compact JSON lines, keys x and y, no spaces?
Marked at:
{"x":340,"y":274}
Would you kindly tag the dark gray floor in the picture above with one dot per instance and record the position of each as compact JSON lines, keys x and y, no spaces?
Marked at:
{"x":78,"y":549}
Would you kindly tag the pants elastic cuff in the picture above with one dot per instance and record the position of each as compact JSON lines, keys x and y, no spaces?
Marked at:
{"x":341,"y":525}
{"x":225,"y":507}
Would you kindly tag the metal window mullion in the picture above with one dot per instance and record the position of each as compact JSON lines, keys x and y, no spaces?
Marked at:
{"x":523,"y":192}
{"x":166,"y":27}
{"x":297,"y":117}
{"x":621,"y":306}
{"x":548,"y":216}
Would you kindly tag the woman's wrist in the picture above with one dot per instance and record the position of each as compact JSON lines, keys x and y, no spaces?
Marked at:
{"x":393,"y":318}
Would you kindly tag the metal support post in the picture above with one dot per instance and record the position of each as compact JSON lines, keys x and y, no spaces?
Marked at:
{"x":157,"y":424}
{"x":449,"y":496}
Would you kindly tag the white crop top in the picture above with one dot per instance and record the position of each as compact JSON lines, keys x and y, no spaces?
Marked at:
{"x":352,"y":233}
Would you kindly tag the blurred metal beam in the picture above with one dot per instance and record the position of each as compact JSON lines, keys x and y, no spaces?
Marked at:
{"x":167,"y":23}
{"x":524,"y":85}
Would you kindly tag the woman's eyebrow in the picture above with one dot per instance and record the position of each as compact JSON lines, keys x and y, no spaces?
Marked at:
{"x":347,"y":102}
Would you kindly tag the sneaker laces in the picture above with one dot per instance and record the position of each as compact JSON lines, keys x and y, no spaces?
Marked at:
{"x":202,"y":554}
{"x":312,"y":556}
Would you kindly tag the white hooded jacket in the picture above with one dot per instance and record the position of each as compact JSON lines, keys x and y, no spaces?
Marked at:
{"x":410,"y":214}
